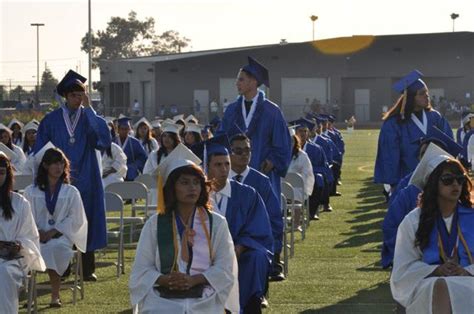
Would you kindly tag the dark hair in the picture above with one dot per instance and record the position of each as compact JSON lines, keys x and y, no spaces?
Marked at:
{"x":9,"y":144}
{"x":147,"y":140}
{"x":162,"y":150}
{"x":296,"y":147}
{"x":209,"y":157}
{"x":428,"y":200}
{"x":197,"y":136}
{"x":25,"y":141}
{"x":409,"y":107}
{"x":169,"y":191}
{"x":51,"y":156}
{"x":108,"y":150}
{"x":239,"y":137}
{"x":6,"y":188}
{"x":75,"y":87}
{"x":251,"y":76}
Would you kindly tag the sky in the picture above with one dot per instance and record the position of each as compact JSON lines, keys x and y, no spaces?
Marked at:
{"x":209,"y":24}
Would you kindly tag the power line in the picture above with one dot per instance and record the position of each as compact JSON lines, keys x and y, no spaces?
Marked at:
{"x":42,"y":60}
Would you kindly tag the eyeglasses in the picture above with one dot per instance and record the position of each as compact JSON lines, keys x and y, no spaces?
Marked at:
{"x":241,"y":151}
{"x":448,"y":179}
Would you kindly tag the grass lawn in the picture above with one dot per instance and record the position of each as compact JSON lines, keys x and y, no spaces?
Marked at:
{"x":335,"y":270}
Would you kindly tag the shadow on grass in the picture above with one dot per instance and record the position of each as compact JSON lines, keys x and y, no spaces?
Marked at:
{"x":375,"y":299}
{"x":366,"y":223}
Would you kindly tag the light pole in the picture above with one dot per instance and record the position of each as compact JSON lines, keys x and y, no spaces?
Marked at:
{"x":37,"y":59}
{"x":90,"y":52}
{"x":453,"y":17}
{"x":313,"y":19}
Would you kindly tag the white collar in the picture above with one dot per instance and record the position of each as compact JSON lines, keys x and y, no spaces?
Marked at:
{"x":227,"y":190}
{"x":422,"y":125}
{"x":244,"y":174}
{"x":248,"y":117}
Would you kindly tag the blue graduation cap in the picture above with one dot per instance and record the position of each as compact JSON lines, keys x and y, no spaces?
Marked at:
{"x":411,"y":82}
{"x":331,"y":118}
{"x":124,"y":121}
{"x":70,"y":79}
{"x":258,"y":71}
{"x":302,"y":123}
{"x":442,"y":140}
{"x":466,"y":117}
{"x":216,"y":145}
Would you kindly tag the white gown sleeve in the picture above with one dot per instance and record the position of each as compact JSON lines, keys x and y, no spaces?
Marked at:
{"x":408,"y":268}
{"x":307,"y":173}
{"x":151,"y":164}
{"x":120,"y":160}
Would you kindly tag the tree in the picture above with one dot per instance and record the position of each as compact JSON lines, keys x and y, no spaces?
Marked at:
{"x":18,"y":93}
{"x":128,"y":38}
{"x":48,"y":84}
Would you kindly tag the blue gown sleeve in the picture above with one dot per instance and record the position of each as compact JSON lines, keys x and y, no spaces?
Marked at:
{"x":280,"y":150}
{"x":42,"y":135}
{"x":387,"y":163}
{"x":274,"y":213}
{"x":98,"y":134}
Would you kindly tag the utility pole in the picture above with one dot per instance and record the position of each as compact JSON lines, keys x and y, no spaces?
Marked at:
{"x":37,"y":59}
{"x":313,"y":19}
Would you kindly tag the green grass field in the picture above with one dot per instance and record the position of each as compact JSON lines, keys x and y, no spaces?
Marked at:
{"x":335,"y":270}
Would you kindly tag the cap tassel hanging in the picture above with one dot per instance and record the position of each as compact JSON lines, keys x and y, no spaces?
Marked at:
{"x":160,"y":208}
{"x":404,"y":102}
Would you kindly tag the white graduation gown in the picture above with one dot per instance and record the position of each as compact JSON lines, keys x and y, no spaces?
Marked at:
{"x":222,"y":275}
{"x":302,"y":166}
{"x":154,"y":146}
{"x":408,"y":282}
{"x":118,"y":161}
{"x":20,"y":160}
{"x":12,"y":273}
{"x":150,"y":168}
{"x":69,"y":219}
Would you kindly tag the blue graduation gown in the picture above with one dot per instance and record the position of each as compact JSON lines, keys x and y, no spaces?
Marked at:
{"x":339,"y":142}
{"x":136,"y":157}
{"x":459,"y":133}
{"x":91,"y":133}
{"x":319,"y":163}
{"x":261,"y":183}
{"x":398,"y":146}
{"x":336,"y":154}
{"x":327,"y":147}
{"x":400,"y":186}
{"x":268,"y":133}
{"x":404,"y":203}
{"x":466,"y":221}
{"x":249,"y":226}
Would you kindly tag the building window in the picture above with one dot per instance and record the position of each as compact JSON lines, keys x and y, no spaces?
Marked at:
{"x":119,"y":97}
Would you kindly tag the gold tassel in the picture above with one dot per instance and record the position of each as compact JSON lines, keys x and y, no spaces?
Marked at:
{"x":404,"y":102}
{"x":160,"y":208}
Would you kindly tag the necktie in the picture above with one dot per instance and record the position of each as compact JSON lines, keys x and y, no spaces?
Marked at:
{"x":238,"y":178}
{"x":248,"y":105}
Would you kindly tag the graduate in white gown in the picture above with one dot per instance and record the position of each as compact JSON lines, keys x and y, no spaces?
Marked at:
{"x":433,"y":265}
{"x":59,"y":215}
{"x":169,"y":140}
{"x":301,"y":165}
{"x":18,"y":158}
{"x":185,"y":260}
{"x":114,"y":162}
{"x":143,"y":134}
{"x":18,"y":236}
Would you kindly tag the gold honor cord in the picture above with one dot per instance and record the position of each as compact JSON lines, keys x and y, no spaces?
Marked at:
{"x":404,"y":102}
{"x":464,"y":243}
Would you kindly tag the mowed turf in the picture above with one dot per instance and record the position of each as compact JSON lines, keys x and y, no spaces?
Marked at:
{"x":335,"y":269}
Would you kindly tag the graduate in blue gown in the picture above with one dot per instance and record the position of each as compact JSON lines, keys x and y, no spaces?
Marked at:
{"x":321,"y":170}
{"x":241,"y":172}
{"x":78,"y":132}
{"x":405,"y":198}
{"x":262,"y":121}
{"x":406,"y":122}
{"x":249,"y":226}
{"x":136,"y":154}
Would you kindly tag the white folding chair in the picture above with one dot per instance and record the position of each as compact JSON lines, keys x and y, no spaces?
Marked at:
{"x":289,"y":213}
{"x":76,"y":285}
{"x":150,"y":183}
{"x":297,"y":182}
{"x":131,"y":190}
{"x":21,"y":181}
{"x":285,"y":234}
{"x":114,"y":203}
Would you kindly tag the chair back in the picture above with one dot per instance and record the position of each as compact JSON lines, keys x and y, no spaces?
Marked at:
{"x":148,"y":180}
{"x":21,"y":181}
{"x":296,"y":180}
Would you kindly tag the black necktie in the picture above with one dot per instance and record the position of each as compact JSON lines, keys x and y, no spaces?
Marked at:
{"x":248,"y":104}
{"x":238,"y":178}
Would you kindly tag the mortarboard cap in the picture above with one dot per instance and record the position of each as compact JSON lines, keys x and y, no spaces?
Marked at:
{"x":258,"y":71}
{"x":109,"y":119}
{"x":70,"y":79}
{"x":193,"y":127}
{"x":303,"y":123}
{"x":411,"y":82}
{"x":38,"y":157}
{"x":156,"y":124}
{"x":7,"y":151}
{"x":32,"y":125}
{"x":171,"y":127}
{"x":215,"y":145}
{"x":331,"y":118}
{"x":13,"y":122}
{"x":451,"y":146}
{"x":291,"y":129}
{"x":432,"y":158}
{"x":179,"y":119}
{"x":191,"y":119}
{"x":4,"y":127}
{"x":142,"y":120}
{"x":466,"y":117}
{"x":123,"y":121}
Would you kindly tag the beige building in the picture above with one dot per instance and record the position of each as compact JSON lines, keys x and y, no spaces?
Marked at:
{"x":345,"y":76}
